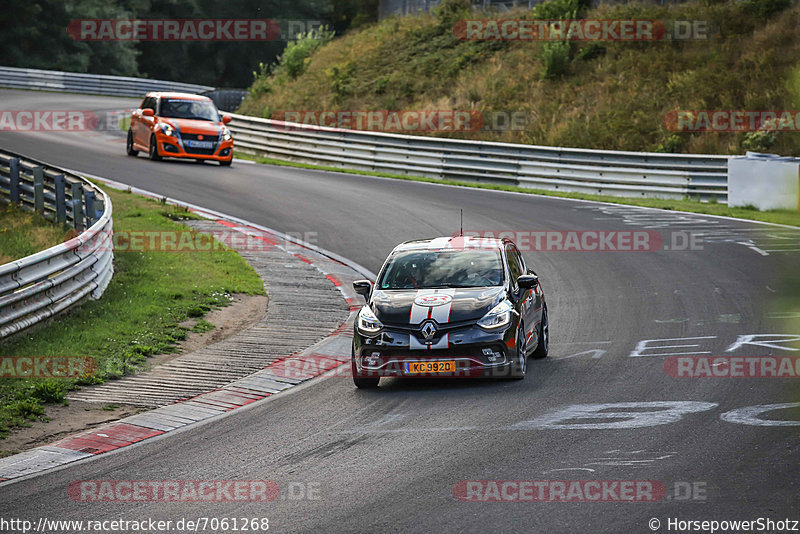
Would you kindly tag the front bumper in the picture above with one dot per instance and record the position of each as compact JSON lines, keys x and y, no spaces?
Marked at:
{"x":474,"y":351}
{"x":175,"y":147}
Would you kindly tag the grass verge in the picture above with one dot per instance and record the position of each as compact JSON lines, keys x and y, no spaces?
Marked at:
{"x":614,"y":95}
{"x":138,"y":316}
{"x":787,"y":217}
{"x":23,"y":233}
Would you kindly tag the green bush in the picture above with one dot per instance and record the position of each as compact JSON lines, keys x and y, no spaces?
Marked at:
{"x":25,"y":409}
{"x":261,"y":85}
{"x":764,"y":9}
{"x":295,"y":56}
{"x":49,"y":391}
{"x":555,"y":56}
{"x":673,"y":145}
{"x":560,"y":9}
{"x":759,"y":141}
{"x":450,"y":11}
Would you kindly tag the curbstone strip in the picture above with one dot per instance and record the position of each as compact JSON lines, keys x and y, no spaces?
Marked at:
{"x":190,"y":406}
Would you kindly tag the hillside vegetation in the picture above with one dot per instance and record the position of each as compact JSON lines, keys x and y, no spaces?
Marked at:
{"x":606,"y":95}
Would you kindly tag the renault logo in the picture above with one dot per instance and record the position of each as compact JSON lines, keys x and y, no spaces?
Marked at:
{"x":428,"y":330}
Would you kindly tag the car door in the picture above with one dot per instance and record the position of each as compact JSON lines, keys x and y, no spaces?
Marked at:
{"x":535,"y":302}
{"x":142,"y":125}
{"x":525,"y":299}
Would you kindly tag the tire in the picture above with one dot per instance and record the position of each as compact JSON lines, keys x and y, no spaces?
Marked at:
{"x":226,"y":163}
{"x":362,"y":382}
{"x":544,"y":337}
{"x":129,"y":145}
{"x":153,"y":151}
{"x":520,"y":364}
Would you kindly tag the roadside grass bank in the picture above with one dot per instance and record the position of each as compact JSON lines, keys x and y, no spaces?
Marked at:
{"x":614,"y":95}
{"x":787,"y":217}
{"x":23,"y":233}
{"x":139,"y":315}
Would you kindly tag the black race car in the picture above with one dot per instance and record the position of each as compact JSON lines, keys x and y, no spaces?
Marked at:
{"x":450,"y":306}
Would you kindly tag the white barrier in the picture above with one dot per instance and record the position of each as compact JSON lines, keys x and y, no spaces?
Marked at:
{"x":764,"y":181}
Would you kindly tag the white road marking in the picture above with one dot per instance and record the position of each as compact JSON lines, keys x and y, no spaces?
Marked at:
{"x":662,"y":413}
{"x":642,"y":346}
{"x":596,"y":353}
{"x":750,"y":415}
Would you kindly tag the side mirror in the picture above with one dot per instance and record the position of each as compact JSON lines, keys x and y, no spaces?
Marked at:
{"x":147,"y":112}
{"x":528,"y":281}
{"x":226,"y":119}
{"x":363,"y":287}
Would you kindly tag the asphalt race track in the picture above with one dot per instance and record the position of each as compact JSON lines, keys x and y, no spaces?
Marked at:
{"x":389,"y":460}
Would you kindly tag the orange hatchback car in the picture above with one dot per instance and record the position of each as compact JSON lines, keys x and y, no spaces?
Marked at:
{"x":180,"y":125}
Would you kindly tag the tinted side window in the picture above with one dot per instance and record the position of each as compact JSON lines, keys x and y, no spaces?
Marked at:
{"x":514,"y":265}
{"x":522,"y":265}
{"x":149,"y":103}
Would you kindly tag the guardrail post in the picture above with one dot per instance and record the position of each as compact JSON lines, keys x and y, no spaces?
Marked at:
{"x":38,"y":190}
{"x":61,"y":201}
{"x":91,"y":215}
{"x":77,"y":205}
{"x":13,"y":173}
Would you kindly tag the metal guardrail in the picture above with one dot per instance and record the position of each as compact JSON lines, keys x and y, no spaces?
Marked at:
{"x":602,"y":172}
{"x":95,"y":84}
{"x":48,"y":282}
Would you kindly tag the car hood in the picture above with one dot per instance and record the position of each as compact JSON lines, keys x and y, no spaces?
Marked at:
{"x":407,"y":306}
{"x":194,"y":126}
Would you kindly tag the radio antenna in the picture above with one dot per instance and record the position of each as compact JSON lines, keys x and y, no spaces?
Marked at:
{"x":462,"y":223}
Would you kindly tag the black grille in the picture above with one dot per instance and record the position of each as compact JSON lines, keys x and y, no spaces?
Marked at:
{"x":194,"y":137}
{"x":416,"y":329}
{"x":201,"y":151}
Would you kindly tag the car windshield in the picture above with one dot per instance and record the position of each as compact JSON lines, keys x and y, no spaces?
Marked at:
{"x":173,"y":108}
{"x":418,"y":269}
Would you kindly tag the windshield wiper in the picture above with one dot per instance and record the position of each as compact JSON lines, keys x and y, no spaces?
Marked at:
{"x":450,"y":286}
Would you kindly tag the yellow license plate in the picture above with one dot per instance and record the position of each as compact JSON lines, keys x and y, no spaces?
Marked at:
{"x":430,"y":367}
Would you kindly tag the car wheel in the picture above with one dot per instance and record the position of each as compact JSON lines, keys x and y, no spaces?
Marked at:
{"x":544,"y":337}
{"x":520,"y":364}
{"x":153,"y":152}
{"x":129,"y":144}
{"x":362,"y":382}
{"x":226,"y":163}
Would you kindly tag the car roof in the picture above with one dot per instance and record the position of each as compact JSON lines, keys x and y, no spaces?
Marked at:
{"x":187,"y":96}
{"x":454,"y":242}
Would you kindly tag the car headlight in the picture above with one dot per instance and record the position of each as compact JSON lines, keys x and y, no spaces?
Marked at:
{"x":226,"y":134}
{"x":498,"y":317}
{"x":166,"y":129}
{"x":367,"y":322}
